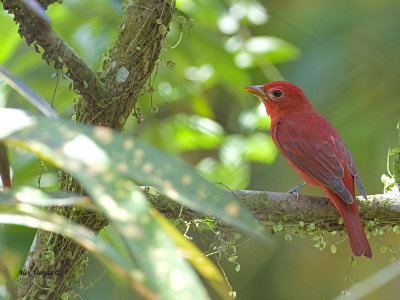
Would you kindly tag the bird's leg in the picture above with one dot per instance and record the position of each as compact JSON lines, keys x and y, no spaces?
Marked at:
{"x":294,"y":190}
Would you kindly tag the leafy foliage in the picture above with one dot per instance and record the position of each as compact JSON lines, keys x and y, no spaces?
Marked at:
{"x":200,"y":78}
{"x":104,"y":163}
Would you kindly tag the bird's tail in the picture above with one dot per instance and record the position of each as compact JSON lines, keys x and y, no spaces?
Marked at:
{"x":355,"y":230}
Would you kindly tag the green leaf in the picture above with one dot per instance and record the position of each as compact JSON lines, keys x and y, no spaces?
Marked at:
{"x":237,"y":268}
{"x":30,"y":216}
{"x":118,"y":198}
{"x":65,"y":295}
{"x":177,"y":180}
{"x":96,"y":147}
{"x":103,"y":161}
{"x":202,"y":264}
{"x":27,"y":93}
{"x":37,"y":197}
{"x":277,"y":227}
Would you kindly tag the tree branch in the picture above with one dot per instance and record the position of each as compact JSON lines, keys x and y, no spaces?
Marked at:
{"x":128,"y":63}
{"x":56,"y":50}
{"x":272,"y":206}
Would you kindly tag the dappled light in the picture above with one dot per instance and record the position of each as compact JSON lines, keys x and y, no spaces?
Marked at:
{"x":129,"y":135}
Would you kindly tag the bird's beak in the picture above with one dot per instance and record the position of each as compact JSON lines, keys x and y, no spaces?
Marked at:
{"x":256,"y":90}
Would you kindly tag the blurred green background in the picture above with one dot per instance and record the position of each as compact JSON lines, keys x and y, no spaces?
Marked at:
{"x":343,"y":54}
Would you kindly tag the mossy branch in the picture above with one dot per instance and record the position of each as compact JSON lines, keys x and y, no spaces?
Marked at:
{"x":129,"y":62}
{"x":272,"y":206}
{"x":56,"y":50}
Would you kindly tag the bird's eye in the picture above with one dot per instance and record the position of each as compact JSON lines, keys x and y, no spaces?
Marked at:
{"x":277,"y":93}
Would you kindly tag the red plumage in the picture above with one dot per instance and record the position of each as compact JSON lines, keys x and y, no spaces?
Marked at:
{"x":316,"y":151}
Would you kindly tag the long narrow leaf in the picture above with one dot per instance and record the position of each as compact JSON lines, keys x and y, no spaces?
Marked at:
{"x":37,"y":197}
{"x":140,"y":161}
{"x":30,"y":216}
{"x":200,"y":262}
{"x":26,"y":92}
{"x":165,"y":271}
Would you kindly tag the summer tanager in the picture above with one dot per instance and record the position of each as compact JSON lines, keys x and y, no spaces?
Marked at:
{"x":316,"y":151}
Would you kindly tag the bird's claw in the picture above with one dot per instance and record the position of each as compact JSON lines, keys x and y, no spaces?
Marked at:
{"x":294,"y":193}
{"x":294,"y":190}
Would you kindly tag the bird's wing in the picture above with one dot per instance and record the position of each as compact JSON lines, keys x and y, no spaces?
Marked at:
{"x":349,"y":161}
{"x":318,"y":160}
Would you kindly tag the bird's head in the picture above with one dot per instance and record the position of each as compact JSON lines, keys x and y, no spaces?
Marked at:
{"x":280,"y":97}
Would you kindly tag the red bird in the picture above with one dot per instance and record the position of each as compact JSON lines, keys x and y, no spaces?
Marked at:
{"x":316,"y":151}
